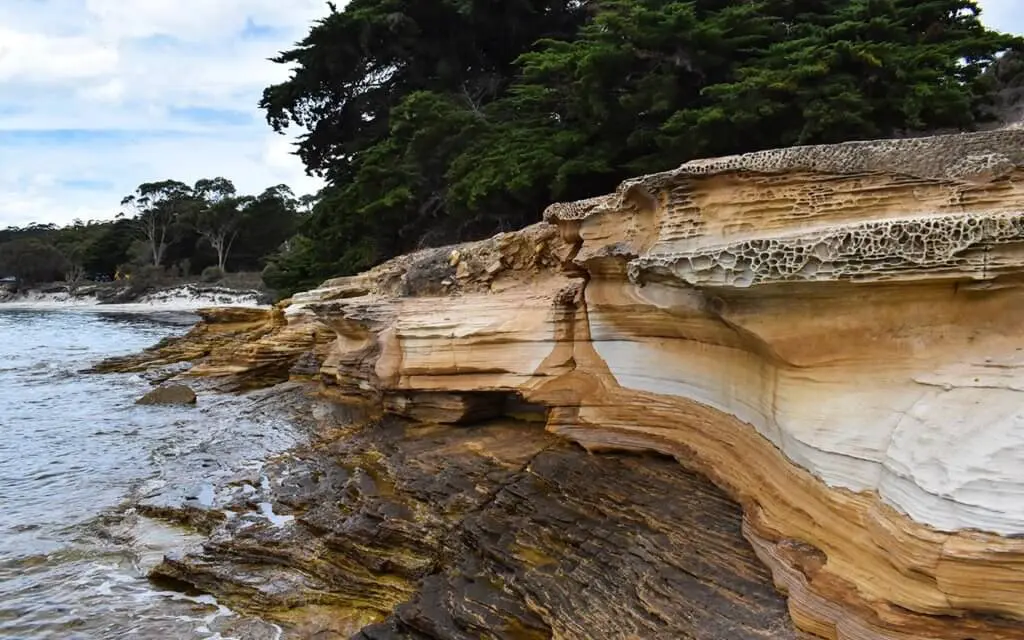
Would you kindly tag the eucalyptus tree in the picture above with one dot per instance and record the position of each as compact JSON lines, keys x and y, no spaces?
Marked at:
{"x":155,"y":209}
{"x":218,"y":215}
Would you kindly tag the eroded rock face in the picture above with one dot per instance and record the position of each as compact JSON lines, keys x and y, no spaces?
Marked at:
{"x":244,"y":347}
{"x":829,"y":334}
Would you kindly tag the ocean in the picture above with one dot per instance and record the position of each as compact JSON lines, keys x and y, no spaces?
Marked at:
{"x":76,"y":456}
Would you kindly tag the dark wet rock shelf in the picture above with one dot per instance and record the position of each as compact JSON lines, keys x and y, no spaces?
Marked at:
{"x":497,"y":530}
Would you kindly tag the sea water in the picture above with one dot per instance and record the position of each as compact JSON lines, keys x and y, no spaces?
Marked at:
{"x":76,"y":453}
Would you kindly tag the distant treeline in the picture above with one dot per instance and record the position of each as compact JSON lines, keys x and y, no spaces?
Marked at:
{"x":435,"y":121}
{"x":165,"y":228}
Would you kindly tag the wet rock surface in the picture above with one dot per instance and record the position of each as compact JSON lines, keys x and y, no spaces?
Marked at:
{"x":491,"y":530}
{"x":169,"y":394}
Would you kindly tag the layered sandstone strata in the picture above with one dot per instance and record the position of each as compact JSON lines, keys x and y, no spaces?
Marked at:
{"x":830,"y":334}
{"x":246,"y":347}
{"x":408,"y":531}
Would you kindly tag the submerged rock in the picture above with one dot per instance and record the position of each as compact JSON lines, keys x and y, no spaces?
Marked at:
{"x":169,"y":394}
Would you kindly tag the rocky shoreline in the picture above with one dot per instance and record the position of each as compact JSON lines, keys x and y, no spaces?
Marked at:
{"x":754,"y":397}
{"x":412,"y":524}
{"x":383,"y":527}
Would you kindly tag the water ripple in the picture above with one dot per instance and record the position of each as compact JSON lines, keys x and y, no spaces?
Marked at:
{"x":76,"y":447}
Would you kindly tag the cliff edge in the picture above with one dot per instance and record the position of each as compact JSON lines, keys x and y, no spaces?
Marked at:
{"x":829,"y":334}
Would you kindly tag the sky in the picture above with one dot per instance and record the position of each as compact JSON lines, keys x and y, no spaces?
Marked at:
{"x":99,"y":96}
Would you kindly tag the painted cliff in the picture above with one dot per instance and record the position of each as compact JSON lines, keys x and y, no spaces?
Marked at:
{"x":830,"y":335}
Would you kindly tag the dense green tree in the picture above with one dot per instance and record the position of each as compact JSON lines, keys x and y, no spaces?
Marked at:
{"x":218,"y":215}
{"x":858,"y":69}
{"x":108,"y":248}
{"x":34,"y":230}
{"x":293,"y":267}
{"x":389,"y":90}
{"x":439,"y":120}
{"x":210,"y":224}
{"x":31,"y":260}
{"x":356,"y":65}
{"x":273,"y":216}
{"x":186,"y":228}
{"x":157,"y":209}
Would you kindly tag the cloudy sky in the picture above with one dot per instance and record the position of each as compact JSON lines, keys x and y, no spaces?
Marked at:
{"x":97,"y":96}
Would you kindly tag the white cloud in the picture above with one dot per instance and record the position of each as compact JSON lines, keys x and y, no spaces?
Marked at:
{"x":130,"y":78}
{"x":98,"y":96}
{"x":107,"y":91}
{"x":196,"y":20}
{"x":37,"y":57}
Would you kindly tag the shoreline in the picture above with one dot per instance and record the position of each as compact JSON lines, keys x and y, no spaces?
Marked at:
{"x":182,"y":298}
{"x":87,"y":455}
{"x":133,"y":307}
{"x":664,"y":358}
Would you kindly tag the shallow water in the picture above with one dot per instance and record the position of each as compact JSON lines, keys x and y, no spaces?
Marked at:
{"x":75,"y":450}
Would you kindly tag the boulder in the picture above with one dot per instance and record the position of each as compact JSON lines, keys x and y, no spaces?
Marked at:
{"x":169,"y":394}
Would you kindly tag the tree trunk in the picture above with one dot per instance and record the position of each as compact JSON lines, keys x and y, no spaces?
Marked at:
{"x":156,"y":236}
{"x":217,"y":242}
{"x":222,"y":244}
{"x":158,"y":253}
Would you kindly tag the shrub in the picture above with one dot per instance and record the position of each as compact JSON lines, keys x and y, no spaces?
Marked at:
{"x":146,"y":278}
{"x":212,"y":274}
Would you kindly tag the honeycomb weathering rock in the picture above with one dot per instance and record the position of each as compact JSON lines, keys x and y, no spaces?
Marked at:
{"x":948,"y":245}
{"x":831,"y":334}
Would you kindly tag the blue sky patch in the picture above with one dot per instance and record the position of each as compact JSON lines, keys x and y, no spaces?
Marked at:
{"x":255,"y":31}
{"x":209,"y":115}
{"x":85,"y":184}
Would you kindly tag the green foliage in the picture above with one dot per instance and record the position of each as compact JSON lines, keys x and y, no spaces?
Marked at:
{"x":217,"y":216}
{"x":391,"y":92}
{"x":861,"y":69}
{"x":212,"y":273}
{"x":31,"y":260}
{"x":435,"y":121}
{"x":293,"y":268}
{"x":270,"y":218}
{"x":166,"y":230}
{"x":147,"y":277}
{"x":158,"y":209}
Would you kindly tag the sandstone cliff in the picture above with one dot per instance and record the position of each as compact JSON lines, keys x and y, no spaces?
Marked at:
{"x":831,"y":335}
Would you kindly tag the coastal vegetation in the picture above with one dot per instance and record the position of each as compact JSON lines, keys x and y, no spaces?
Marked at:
{"x":165,"y":230}
{"x":437,"y":121}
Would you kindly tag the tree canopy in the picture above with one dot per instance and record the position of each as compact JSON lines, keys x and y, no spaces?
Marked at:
{"x":435,"y":121}
{"x":165,"y":226}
